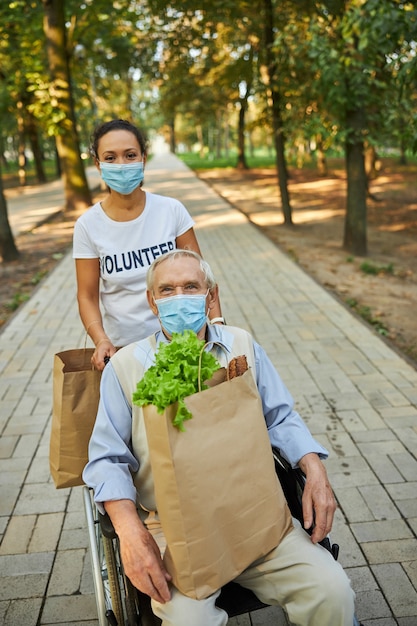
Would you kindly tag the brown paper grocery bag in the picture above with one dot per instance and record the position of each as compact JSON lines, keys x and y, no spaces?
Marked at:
{"x":76,"y":390}
{"x":218,"y":497}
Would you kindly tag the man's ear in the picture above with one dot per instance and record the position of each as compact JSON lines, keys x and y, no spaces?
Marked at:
{"x":151,"y":302}
{"x":213,"y":296}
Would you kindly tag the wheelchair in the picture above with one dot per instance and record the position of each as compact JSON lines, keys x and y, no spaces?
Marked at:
{"x":119,"y":603}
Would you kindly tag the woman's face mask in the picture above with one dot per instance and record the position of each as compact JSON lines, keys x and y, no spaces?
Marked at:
{"x":182,"y":312}
{"x":122,"y":177}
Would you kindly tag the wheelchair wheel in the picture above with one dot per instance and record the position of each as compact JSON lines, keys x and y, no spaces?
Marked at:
{"x":110,"y":578}
{"x":116,"y":597}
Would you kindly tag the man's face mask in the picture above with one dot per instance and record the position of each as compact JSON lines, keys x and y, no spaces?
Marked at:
{"x":182,"y":312}
{"x":122,"y":177}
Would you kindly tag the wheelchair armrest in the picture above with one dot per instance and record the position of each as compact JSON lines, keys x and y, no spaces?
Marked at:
{"x":107,"y":527}
{"x":292,"y":483}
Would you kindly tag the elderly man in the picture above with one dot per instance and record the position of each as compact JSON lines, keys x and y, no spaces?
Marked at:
{"x":298,"y":574}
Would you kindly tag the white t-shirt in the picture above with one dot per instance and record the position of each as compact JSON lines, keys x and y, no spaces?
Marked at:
{"x":125,"y":250}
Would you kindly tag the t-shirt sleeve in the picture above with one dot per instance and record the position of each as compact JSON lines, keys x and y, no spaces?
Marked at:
{"x":184,"y":219}
{"x":82,"y":247}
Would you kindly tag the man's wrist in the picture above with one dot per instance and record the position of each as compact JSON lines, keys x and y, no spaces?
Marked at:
{"x":218,"y":320}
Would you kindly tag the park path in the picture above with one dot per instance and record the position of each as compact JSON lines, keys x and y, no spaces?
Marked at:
{"x":357,"y":396}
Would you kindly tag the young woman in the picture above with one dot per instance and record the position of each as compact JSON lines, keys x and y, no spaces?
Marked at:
{"x":116,"y":241}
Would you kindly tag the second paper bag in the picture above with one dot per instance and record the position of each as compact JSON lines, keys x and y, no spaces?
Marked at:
{"x":218,"y":497}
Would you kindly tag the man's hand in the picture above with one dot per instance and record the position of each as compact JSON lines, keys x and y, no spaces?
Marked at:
{"x":319,"y":504}
{"x":140,"y":554}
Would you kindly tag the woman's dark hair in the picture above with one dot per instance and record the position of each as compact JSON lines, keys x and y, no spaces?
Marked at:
{"x":106,"y":127}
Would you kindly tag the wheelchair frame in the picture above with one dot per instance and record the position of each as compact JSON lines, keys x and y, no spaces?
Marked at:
{"x":119,"y":603}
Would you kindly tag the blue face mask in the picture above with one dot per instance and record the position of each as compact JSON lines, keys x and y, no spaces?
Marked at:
{"x":179,"y":313}
{"x":122,"y":177}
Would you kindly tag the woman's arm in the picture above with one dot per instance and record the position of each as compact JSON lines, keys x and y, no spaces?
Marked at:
{"x":188,"y":241}
{"x":88,"y":281}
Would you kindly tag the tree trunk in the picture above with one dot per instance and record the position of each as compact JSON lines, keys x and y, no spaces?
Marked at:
{"x":219,"y":118}
{"x":355,"y":237}
{"x":32,"y":134}
{"x":77,"y":193}
{"x":200,"y":139}
{"x":277,"y":122}
{"x":321,"y":157}
{"x":172,"y":137}
{"x":241,"y":156}
{"x":8,"y":250}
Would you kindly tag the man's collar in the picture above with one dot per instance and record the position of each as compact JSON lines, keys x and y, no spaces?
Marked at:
{"x":215,"y":333}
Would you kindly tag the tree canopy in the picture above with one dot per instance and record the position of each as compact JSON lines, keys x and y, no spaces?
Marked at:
{"x":296,"y":75}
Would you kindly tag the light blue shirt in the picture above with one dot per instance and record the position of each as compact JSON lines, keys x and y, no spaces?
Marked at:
{"x":111,"y":461}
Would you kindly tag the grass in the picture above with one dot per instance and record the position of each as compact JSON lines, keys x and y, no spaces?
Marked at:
{"x":10,"y":174}
{"x":209,"y":162}
{"x":365,"y":312}
{"x":16,"y":301}
{"x":370,"y":268}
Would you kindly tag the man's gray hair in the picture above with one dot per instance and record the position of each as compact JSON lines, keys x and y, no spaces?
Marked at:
{"x":175,"y":254}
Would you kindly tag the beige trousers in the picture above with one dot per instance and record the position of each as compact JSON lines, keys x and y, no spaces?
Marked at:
{"x":299,"y":576}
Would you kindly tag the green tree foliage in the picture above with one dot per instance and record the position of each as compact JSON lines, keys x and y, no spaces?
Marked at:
{"x":357,"y":49}
{"x":299,"y":73}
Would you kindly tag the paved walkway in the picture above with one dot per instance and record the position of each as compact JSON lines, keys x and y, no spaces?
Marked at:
{"x":31,"y":205}
{"x":358,"y":397}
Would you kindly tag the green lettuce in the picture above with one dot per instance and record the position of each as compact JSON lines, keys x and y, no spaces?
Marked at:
{"x":174,"y":376}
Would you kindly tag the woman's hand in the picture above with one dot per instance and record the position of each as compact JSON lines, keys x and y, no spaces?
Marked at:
{"x":104,"y":348}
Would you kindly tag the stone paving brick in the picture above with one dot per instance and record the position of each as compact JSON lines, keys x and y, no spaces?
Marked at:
{"x":39,"y":469}
{"x":408,"y":508}
{"x":21,"y":612}
{"x":410,"y":567}
{"x":66,"y":572}
{"x":397,"y":588}
{"x":382,"y":434}
{"x":407,"y":621}
{"x":384,"y":469}
{"x":379,"y":502}
{"x":9,"y":496}
{"x":371,"y":605}
{"x":403,"y":491}
{"x":354,"y":505}
{"x":342,"y":444}
{"x":64,"y":609}
{"x":391,"y":551}
{"x":362,"y":578}
{"x":406,"y":464}
{"x":353,"y":478}
{"x":74,"y":538}
{"x":351,"y":421}
{"x":23,"y":586}
{"x":46,"y":532}
{"x":381,"y":530}
{"x":371,"y":418}
{"x":8,"y":446}
{"x":39,"y":498}
{"x":398,"y":412}
{"x":18,"y":535}
{"x":381,"y":447}
{"x":26,"y":446}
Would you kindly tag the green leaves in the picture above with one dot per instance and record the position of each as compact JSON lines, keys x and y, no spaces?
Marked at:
{"x":175,"y":375}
